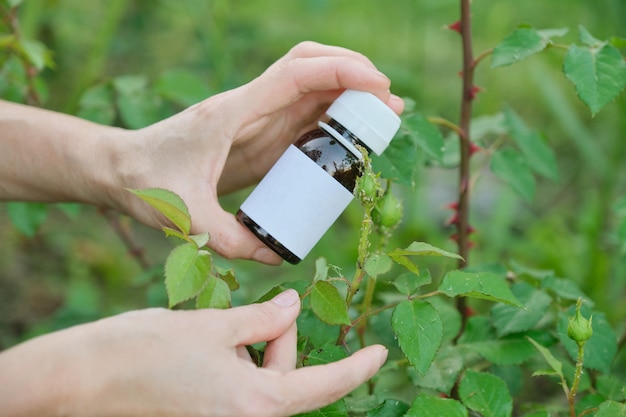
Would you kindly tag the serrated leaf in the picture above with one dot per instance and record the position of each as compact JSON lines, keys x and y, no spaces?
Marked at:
{"x":538,"y":414}
{"x":408,"y":283}
{"x":398,"y":162}
{"x":378,"y":264}
{"x":186,"y":272}
{"x":600,"y":349}
{"x":520,"y":44}
{"x":486,"y":394}
{"x":36,"y":53}
{"x":426,"y":135}
{"x":537,"y":153}
{"x":429,"y":406}
{"x":484,"y":285}
{"x":510,"y":166}
{"x":27,"y":217}
{"x":610,"y":387}
{"x":201,"y":240}
{"x":389,"y":408}
{"x":169,"y":204}
{"x":215,"y":294}
{"x":327,"y":303}
{"x":509,"y":319}
{"x":443,"y":373}
{"x":315,"y":330}
{"x":325,"y":354}
{"x":419,"y":330}
{"x":598,"y":73}
{"x":611,"y":409}
{"x":423,"y":249}
{"x":564,"y":288}
{"x":554,"y":363}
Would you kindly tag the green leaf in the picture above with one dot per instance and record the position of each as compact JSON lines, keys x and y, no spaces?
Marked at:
{"x":378,"y":264}
{"x":327,"y":303}
{"x":598,"y":73}
{"x":408,"y":283}
{"x":423,"y":249}
{"x":617,"y":42}
{"x":325,"y":354}
{"x":429,"y":406}
{"x":521,"y":44}
{"x":537,"y":153}
{"x":215,"y":294}
{"x":611,"y":409}
{"x":600,"y":349}
{"x":337,"y":409}
{"x":27,"y":217}
{"x":425,"y":134}
{"x":554,"y":363}
{"x":398,"y":162}
{"x":186,"y":272}
{"x":321,"y":269}
{"x":564,"y":288}
{"x":169,"y":232}
{"x":485,"y":285}
{"x":610,"y":387}
{"x":182,"y":86}
{"x":539,"y":414}
{"x":511,"y":167}
{"x":316,"y":331}
{"x":503,"y":352}
{"x":486,"y":394}
{"x":443,"y":373}
{"x":400,"y":256}
{"x":508,"y":319}
{"x":419,"y":330}
{"x":389,"y":408}
{"x":200,"y":240}
{"x":587,"y":38}
{"x":36,"y":53}
{"x":169,"y":204}
{"x":228,"y":276}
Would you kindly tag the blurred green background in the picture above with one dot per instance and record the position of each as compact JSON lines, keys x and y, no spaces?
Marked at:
{"x":76,"y":268}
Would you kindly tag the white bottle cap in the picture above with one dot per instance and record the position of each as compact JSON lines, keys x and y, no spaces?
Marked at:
{"x":367,"y":117}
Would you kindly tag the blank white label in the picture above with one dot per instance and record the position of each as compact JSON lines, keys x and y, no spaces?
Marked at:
{"x":297,"y":202}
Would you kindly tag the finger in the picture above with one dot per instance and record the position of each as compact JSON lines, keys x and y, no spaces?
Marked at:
{"x":231,"y":239}
{"x":281,"y":353}
{"x":309,"y":49}
{"x":263,"y":322}
{"x":314,"y":387}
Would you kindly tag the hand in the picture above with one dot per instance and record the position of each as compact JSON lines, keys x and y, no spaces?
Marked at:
{"x":231,"y":140}
{"x":177,"y":363}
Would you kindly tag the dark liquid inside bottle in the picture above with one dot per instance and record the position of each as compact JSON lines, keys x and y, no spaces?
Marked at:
{"x":328,"y":153}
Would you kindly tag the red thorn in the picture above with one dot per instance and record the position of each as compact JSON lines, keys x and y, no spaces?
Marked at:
{"x":470,"y":230}
{"x":474,"y":92}
{"x":443,"y":395}
{"x":453,"y":206}
{"x":469,"y":312}
{"x":456,"y":26}
{"x":460,"y":74}
{"x":470,"y":244}
{"x":454,"y":219}
{"x":474,"y":148}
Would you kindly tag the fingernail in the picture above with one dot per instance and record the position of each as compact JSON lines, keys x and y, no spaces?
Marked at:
{"x":383,"y":356}
{"x":286,"y":298}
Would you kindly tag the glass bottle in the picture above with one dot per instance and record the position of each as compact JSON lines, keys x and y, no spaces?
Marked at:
{"x":312,"y":183}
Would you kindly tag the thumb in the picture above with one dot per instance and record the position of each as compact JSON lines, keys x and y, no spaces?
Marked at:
{"x":266,"y":321}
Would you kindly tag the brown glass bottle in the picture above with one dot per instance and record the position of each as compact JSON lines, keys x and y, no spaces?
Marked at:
{"x":329,"y":154}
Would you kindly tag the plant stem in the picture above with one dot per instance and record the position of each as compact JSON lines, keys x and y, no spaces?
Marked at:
{"x":126,"y":237}
{"x":464,"y":135}
{"x":571,"y":398}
